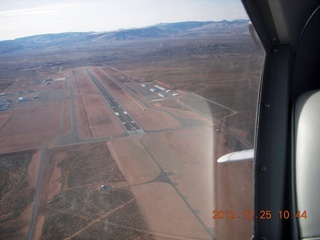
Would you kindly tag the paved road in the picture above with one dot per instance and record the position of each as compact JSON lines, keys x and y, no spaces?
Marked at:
{"x":123,"y":116}
{"x":37,"y":197}
{"x":72,"y":136}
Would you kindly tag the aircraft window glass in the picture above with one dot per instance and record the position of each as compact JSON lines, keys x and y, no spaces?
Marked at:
{"x":234,"y":142}
{"x":117,"y":134}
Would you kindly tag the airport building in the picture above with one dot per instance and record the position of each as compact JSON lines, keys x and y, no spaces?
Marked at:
{"x":153,"y":90}
{"x":160,"y":88}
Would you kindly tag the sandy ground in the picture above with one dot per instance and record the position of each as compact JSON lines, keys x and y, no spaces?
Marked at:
{"x":83,"y":123}
{"x":32,"y":176}
{"x":166,"y":213}
{"x":187,"y":153}
{"x":38,"y":230}
{"x":4,"y":118}
{"x":148,"y":118}
{"x":65,"y":121}
{"x":84,"y":84}
{"x":29,"y":127}
{"x":33,"y":169}
{"x":233,"y":191}
{"x":25,"y":216}
{"x":95,"y":118}
{"x":190,"y":115}
{"x":55,"y":185}
{"x":136,"y":164}
{"x":31,"y":122}
{"x":191,"y":171}
{"x":101,"y":119}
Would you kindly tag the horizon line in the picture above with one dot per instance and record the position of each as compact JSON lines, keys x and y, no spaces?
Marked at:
{"x":123,"y":29}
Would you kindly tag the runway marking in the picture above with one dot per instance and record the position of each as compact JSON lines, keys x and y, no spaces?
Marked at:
{"x":123,"y":116}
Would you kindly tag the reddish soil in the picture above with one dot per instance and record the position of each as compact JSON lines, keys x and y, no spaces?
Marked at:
{"x":4,"y":118}
{"x":136,"y":165}
{"x":55,"y":184}
{"x":33,"y":169}
{"x":83,"y":123}
{"x":191,"y":167}
{"x":233,"y":190}
{"x":25,"y":216}
{"x":84,"y":84}
{"x":95,"y":118}
{"x":166,"y":213}
{"x":32,"y":176}
{"x":147,"y":118}
{"x":66,"y":108}
{"x":67,"y":115}
{"x":192,"y":172}
{"x":29,"y":126}
{"x":101,"y":119}
{"x":38,"y":230}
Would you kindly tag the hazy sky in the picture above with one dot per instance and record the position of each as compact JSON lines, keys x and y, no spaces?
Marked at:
{"x":20,"y":18}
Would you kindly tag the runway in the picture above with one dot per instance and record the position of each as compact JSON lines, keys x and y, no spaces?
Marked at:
{"x":131,"y":126}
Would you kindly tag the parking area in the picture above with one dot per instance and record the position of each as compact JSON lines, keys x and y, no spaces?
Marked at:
{"x":150,"y":91}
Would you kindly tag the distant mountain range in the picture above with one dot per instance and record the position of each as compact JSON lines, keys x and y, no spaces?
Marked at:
{"x":163,"y":30}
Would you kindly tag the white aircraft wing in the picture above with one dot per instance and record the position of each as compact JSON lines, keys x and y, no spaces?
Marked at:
{"x":237,"y":156}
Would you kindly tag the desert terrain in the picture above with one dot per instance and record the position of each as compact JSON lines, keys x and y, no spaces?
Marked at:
{"x":119,"y":139}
